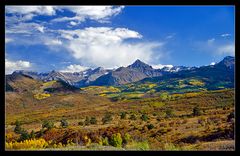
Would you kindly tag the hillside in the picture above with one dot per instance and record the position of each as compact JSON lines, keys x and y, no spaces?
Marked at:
{"x":170,"y":114}
{"x":177,"y":127}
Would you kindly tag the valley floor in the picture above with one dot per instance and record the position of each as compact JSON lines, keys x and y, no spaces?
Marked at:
{"x":189,"y":121}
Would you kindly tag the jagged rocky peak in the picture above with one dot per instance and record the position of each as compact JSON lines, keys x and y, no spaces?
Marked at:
{"x":98,"y":69}
{"x":228,"y":61}
{"x":25,"y":71}
{"x":229,"y":58}
{"x":29,"y":73}
{"x":139,"y":64}
{"x":120,"y":68}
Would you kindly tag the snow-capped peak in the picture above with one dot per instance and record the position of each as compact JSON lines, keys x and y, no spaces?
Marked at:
{"x":160,"y":66}
{"x":213,"y":63}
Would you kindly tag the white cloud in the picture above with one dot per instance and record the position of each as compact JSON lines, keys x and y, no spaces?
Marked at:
{"x":216,"y":47}
{"x":28,"y":12}
{"x":7,"y":40}
{"x":103,"y":35}
{"x":97,"y":13}
{"x":105,"y":46}
{"x":40,"y":28}
{"x":31,"y":34}
{"x":73,"y":23}
{"x":11,"y":66}
{"x":42,"y":10}
{"x":160,"y":66}
{"x":75,"y":18}
{"x":27,"y":17}
{"x":92,"y":46}
{"x":228,"y":49}
{"x":225,"y":35}
{"x":52,"y":42}
{"x":213,"y":63}
{"x":74,"y":68}
{"x":25,"y":28}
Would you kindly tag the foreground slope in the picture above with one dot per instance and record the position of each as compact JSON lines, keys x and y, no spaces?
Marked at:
{"x":162,"y":121}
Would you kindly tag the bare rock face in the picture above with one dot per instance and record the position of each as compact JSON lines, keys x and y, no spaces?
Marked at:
{"x":123,"y":75}
{"x":120,"y":76}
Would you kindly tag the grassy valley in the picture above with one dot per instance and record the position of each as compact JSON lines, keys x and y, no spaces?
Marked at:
{"x":175,"y":114}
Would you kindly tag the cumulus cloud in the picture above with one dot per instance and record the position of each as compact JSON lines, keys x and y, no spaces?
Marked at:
{"x":73,"y":23}
{"x":11,"y":66}
{"x":106,"y":47}
{"x":43,"y":10}
{"x":160,"y":66}
{"x":92,"y":46}
{"x":103,"y":35}
{"x":28,"y":12}
{"x":52,"y":42}
{"x":74,"y":18}
{"x":74,"y":68}
{"x":25,"y":28}
{"x":97,"y":13}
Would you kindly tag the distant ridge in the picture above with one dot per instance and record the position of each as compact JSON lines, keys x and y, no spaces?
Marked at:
{"x":133,"y":73}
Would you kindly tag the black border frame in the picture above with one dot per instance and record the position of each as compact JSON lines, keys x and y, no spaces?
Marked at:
{"x":123,"y":2}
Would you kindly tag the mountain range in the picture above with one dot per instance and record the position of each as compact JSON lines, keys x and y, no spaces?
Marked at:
{"x":138,"y":71}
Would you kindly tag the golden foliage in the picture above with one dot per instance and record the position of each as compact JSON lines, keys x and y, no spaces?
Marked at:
{"x":41,"y":96}
{"x":196,"y":82}
{"x":100,"y":90}
{"x":11,"y":136}
{"x":28,"y":144}
{"x":50,"y":83}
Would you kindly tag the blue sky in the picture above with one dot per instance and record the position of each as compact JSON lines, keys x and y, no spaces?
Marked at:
{"x":74,"y":38}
